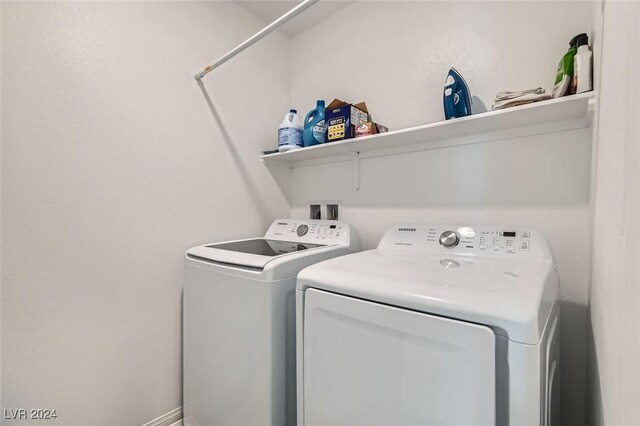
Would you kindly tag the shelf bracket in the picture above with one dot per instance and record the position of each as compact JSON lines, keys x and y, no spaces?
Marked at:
{"x":355,"y":172}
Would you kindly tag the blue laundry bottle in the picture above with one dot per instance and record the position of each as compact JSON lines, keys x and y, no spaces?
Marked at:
{"x":313,"y":133}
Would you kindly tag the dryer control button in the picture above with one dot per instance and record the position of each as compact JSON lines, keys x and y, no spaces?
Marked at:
{"x":450,"y":263}
{"x":449,"y":239}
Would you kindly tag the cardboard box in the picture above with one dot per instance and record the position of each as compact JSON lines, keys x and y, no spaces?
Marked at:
{"x":369,"y":128}
{"x":340,"y":119}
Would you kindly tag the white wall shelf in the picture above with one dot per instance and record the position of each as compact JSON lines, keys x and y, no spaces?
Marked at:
{"x":555,"y":115}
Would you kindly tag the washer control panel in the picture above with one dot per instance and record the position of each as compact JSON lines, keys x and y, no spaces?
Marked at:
{"x":491,"y":241}
{"x":326,"y":232}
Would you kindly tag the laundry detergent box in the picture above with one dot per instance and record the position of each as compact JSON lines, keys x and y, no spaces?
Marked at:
{"x":340,"y":119}
{"x":369,"y":128}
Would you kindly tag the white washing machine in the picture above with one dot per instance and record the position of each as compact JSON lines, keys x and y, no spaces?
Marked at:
{"x":239,"y":322}
{"x":440,"y":325}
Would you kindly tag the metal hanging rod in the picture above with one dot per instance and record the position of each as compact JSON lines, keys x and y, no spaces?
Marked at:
{"x":306,"y":4}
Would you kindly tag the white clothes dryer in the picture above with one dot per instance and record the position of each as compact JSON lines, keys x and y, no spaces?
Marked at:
{"x":239,"y":322}
{"x":440,"y":325}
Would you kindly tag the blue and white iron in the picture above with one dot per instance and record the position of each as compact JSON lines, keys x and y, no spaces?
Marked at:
{"x":457,"y":96}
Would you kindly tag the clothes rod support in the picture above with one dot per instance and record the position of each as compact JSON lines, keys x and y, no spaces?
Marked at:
{"x":306,"y":4}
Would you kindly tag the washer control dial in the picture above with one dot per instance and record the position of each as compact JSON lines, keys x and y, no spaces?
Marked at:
{"x":449,"y":239}
{"x":302,"y":230}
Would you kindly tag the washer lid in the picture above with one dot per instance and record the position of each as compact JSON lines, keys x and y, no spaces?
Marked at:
{"x":285,"y":240}
{"x":513,"y":296}
{"x":255,"y":253}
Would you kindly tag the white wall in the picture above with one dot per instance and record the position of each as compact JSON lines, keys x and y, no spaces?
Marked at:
{"x":113,"y":164}
{"x":395,"y":56}
{"x":615,"y":288}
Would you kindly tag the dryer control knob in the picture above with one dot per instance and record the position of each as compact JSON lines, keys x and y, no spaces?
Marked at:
{"x":302,"y":230}
{"x":449,"y":239}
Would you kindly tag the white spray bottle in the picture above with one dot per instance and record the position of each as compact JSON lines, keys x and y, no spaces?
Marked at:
{"x":582,"y":74}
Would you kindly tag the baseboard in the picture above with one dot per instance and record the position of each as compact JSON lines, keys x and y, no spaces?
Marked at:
{"x":172,"y":418}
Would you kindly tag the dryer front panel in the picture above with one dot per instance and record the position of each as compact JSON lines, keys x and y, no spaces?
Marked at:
{"x":371,"y":364}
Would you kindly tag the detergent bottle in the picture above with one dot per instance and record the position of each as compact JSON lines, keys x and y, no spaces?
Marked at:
{"x":564,"y":74}
{"x":290,"y":132}
{"x":314,"y":125}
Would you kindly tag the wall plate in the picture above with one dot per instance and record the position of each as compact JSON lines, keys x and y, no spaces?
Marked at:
{"x":325,"y":210}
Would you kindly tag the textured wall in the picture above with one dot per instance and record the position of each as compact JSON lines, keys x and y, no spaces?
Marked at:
{"x":112,"y":165}
{"x":395,"y":56}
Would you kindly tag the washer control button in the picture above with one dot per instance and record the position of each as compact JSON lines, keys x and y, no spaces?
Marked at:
{"x":302,"y":230}
{"x":524,"y":245}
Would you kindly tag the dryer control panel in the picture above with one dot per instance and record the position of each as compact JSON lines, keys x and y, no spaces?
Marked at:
{"x":489,"y":241}
{"x":325,"y":232}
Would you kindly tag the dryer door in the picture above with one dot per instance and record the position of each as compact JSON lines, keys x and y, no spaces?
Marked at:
{"x":370,"y":364}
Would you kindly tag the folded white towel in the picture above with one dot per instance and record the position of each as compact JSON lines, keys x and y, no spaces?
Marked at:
{"x":508,"y":99}
{"x":503,"y":96}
